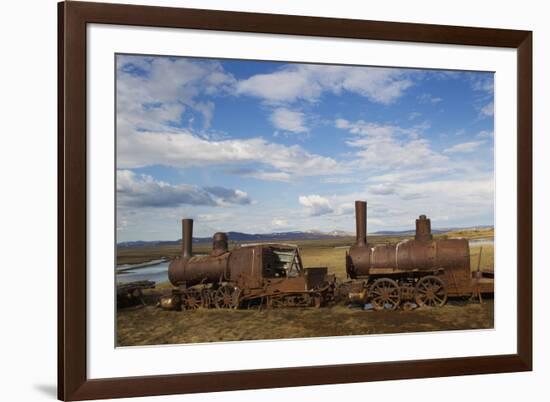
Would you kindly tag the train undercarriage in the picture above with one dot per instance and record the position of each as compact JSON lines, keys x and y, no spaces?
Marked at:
{"x":229,"y":296}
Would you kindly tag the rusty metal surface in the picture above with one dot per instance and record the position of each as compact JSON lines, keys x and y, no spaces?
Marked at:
{"x":422,"y":270}
{"x":187,"y":238}
{"x":423,"y":229}
{"x":411,"y":260}
{"x":198,"y":269}
{"x":421,"y":254}
{"x":360,"y":223}
{"x":219,"y":244}
{"x":268,"y":273}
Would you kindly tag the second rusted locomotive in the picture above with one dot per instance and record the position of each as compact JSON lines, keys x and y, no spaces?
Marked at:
{"x":251,"y":274}
{"x":423,"y":270}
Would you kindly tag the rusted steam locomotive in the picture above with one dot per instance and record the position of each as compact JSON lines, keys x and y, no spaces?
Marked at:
{"x":250,"y":274}
{"x":422,"y":270}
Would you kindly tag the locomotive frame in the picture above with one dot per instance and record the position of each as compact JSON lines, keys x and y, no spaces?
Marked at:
{"x":73,"y":380}
{"x":259,"y":274}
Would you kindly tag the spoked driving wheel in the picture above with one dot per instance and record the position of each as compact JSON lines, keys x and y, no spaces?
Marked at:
{"x":227,"y":296}
{"x":430,"y":291}
{"x":191,"y":299}
{"x":385,"y":294}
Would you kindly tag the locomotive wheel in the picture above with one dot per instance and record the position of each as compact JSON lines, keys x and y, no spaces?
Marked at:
{"x":191,"y":299}
{"x":385,"y":294}
{"x":276,"y":301}
{"x":430,"y":291}
{"x":227,"y":296}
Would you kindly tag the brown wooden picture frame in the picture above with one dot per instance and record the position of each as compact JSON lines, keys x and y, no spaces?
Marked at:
{"x":73,"y":383}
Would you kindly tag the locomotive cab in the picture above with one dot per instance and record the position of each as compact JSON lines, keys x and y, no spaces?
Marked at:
{"x":280,"y":260}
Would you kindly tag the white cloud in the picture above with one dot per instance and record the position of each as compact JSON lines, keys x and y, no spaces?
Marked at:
{"x":382,"y":189}
{"x":184,"y":149}
{"x":153,"y":91}
{"x":428,"y":98}
{"x":455,"y":201}
{"x":409,"y":174}
{"x":464,"y":147}
{"x":307,"y":82}
{"x":288,"y":120}
{"x":342,"y":180}
{"x":483,"y":82}
{"x":389,"y":147}
{"x":370,"y":129}
{"x":137,"y":190}
{"x":225,"y":196}
{"x":260,"y":174}
{"x":315,"y":205}
{"x":279,"y":223}
{"x":487,"y":110}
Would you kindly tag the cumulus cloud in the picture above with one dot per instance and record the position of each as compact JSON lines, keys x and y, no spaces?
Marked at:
{"x":139,"y":190}
{"x":184,"y":149}
{"x":372,"y":129}
{"x":224,"y":195}
{"x":315,"y":205}
{"x":390,"y":147}
{"x":155,"y":91}
{"x":465,"y":147}
{"x":449,"y":201}
{"x":288,"y":120}
{"x":308,"y":82}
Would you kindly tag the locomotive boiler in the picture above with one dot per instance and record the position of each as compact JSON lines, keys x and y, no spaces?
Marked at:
{"x":270,"y":275}
{"x":422,"y":270}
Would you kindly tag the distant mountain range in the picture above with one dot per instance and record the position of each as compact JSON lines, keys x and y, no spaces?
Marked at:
{"x":282,"y":236}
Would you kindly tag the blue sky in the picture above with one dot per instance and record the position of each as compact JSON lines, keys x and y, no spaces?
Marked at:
{"x":262,"y":147}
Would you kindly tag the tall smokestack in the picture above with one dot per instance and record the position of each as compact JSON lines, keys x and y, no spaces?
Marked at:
{"x":187,"y":238}
{"x":361,"y":223}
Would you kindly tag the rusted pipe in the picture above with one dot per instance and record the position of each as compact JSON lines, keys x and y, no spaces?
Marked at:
{"x":187,"y":238}
{"x":360,"y":223}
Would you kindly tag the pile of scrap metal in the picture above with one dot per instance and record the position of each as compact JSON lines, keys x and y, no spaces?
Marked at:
{"x":131,"y":293}
{"x":422,"y":271}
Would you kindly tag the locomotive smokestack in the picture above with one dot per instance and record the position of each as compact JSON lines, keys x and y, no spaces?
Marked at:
{"x":361,"y":223}
{"x":187,"y":238}
{"x":423,"y":229}
{"x":219,"y":244}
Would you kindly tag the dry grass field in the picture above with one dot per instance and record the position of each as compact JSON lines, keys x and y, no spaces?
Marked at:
{"x":148,"y":325}
{"x":152,"y":326}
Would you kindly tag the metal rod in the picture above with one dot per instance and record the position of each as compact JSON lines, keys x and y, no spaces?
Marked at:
{"x":479,"y":258}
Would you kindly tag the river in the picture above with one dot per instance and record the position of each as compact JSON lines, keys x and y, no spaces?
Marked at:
{"x":157,"y":273}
